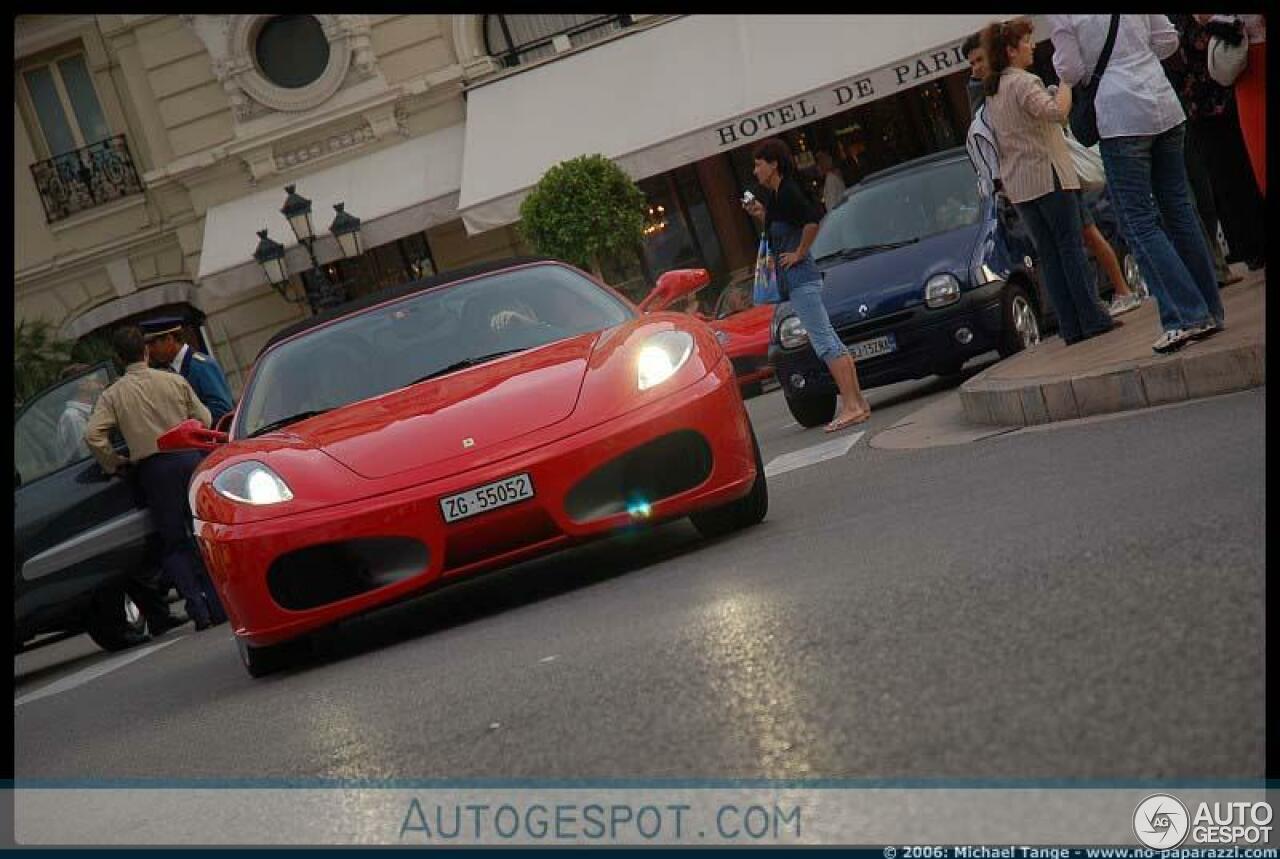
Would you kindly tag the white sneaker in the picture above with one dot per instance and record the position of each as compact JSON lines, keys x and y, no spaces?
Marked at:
{"x":1171,"y":341}
{"x":1124,"y":304}
{"x":1205,"y":329}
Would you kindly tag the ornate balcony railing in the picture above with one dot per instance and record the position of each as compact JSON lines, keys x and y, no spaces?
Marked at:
{"x":88,"y":177}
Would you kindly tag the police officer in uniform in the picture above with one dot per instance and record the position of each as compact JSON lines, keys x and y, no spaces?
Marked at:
{"x":167,"y":351}
{"x":143,"y":404}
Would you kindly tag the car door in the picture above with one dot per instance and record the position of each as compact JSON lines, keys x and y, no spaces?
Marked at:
{"x":75,"y":528}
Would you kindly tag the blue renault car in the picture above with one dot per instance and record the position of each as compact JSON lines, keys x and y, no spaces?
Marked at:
{"x":921,"y":274}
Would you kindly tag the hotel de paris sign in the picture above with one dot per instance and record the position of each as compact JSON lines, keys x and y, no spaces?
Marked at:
{"x":870,"y":86}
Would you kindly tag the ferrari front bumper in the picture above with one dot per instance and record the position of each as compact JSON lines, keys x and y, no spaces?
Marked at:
{"x":399,"y":544}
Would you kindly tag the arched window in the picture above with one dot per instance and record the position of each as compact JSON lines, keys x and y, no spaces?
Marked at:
{"x":516,"y":39}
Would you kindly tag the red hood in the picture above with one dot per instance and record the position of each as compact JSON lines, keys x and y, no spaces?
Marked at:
{"x":427,"y":423}
{"x":747,"y":322}
{"x":748,"y":331}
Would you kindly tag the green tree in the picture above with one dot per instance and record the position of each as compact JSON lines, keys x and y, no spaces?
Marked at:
{"x":583,"y":211}
{"x":38,"y":358}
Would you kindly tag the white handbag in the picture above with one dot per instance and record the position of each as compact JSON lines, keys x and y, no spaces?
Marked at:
{"x":1088,"y":163}
{"x":1227,"y":61}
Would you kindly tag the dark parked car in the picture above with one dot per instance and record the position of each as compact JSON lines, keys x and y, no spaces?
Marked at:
{"x":77,"y":533}
{"x":921,"y":274}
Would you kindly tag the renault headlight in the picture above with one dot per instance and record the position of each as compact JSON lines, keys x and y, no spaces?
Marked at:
{"x":252,"y":482}
{"x":791,"y":333}
{"x":660,"y":357}
{"x":941,"y":290}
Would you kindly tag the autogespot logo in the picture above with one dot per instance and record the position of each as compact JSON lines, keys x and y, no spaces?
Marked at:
{"x":1161,"y":822}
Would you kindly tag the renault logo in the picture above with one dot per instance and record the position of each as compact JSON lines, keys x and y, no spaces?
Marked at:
{"x":468,"y":442}
{"x":862,"y":309}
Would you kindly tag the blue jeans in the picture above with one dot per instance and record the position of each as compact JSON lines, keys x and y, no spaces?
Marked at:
{"x":806,"y":300}
{"x":1054,"y":223}
{"x":1147,"y":177}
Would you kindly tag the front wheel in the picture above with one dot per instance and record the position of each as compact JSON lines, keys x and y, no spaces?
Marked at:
{"x":1021,"y":328}
{"x":115,"y":621}
{"x":261,"y":661}
{"x":1133,"y":276}
{"x":812,"y":411}
{"x":743,"y":513}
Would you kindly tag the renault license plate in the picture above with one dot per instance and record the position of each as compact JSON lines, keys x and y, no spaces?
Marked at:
{"x":482,"y":499}
{"x":871,"y":348}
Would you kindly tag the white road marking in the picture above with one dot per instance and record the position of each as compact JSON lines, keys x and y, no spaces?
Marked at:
{"x":790,"y":425}
{"x":812,"y":455}
{"x":80,"y":678}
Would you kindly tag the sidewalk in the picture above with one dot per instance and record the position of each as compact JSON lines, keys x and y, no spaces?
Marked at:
{"x":1118,"y":371}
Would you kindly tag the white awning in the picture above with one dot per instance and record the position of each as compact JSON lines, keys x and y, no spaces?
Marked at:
{"x":395,"y":191}
{"x":687,"y":89}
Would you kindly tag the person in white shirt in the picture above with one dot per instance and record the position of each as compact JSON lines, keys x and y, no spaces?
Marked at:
{"x":1143,"y":131}
{"x":832,"y":184}
{"x":75,"y":417}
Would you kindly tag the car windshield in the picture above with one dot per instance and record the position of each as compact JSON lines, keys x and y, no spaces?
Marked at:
{"x":735,"y":298}
{"x":913,"y":205}
{"x":432,"y":333}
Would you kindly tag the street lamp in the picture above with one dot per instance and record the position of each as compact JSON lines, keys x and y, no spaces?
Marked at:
{"x":270,"y":254}
{"x":346,"y":229}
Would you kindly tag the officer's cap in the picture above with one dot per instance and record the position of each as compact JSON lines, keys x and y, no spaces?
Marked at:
{"x":160,"y":326}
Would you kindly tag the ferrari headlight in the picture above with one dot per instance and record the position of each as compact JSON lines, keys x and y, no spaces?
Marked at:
{"x":941,"y":290}
{"x":661,"y":355}
{"x":252,"y":482}
{"x":791,"y":333}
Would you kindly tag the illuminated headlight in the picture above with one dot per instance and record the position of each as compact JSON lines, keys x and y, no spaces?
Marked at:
{"x":791,"y":333}
{"x":941,"y":290}
{"x":252,"y":483}
{"x":660,"y":357}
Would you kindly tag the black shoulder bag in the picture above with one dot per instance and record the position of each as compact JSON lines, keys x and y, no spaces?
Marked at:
{"x":1083,"y":118}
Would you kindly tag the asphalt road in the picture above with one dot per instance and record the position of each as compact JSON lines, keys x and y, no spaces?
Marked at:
{"x":1082,"y":602}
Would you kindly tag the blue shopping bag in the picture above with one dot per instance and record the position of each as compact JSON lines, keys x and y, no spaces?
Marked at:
{"x":765,"y":289}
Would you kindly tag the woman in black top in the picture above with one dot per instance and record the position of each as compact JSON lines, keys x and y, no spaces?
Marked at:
{"x":791,"y":219}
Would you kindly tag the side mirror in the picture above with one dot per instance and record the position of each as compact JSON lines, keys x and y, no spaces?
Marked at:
{"x":190,"y":434}
{"x":674,"y":285}
{"x":224,"y":422}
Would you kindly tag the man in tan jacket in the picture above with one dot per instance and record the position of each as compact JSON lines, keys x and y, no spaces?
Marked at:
{"x":144,"y":404}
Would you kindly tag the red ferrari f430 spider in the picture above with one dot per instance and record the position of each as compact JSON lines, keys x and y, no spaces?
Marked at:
{"x":456,"y":425}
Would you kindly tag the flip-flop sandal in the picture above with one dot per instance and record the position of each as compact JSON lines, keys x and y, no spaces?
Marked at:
{"x":836,"y":426}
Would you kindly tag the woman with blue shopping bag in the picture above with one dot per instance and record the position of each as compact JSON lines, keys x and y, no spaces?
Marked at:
{"x":786,"y":272}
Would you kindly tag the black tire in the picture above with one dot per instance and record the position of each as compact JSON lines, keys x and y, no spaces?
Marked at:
{"x":813,"y":411}
{"x":115,"y":622}
{"x":743,"y":513}
{"x":261,"y":661}
{"x":1021,"y":323}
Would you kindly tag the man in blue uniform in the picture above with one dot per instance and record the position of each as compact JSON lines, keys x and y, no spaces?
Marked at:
{"x":167,"y":351}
